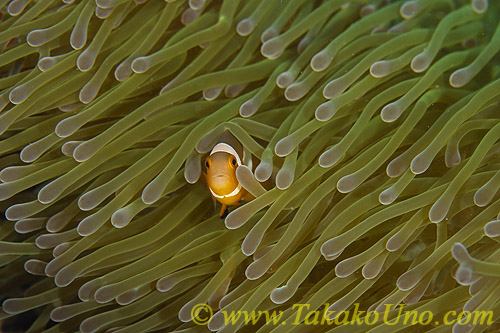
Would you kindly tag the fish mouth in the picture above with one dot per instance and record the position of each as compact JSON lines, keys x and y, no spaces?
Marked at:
{"x":221,"y":180}
{"x":219,"y":183}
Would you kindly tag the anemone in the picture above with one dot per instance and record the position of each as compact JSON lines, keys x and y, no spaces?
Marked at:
{"x":373,"y":127}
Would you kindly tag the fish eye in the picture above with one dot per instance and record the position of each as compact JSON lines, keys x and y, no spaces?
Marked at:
{"x":233,"y":161}
{"x":207,"y":164}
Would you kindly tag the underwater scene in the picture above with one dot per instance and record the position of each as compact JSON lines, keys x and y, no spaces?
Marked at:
{"x":250,"y":166}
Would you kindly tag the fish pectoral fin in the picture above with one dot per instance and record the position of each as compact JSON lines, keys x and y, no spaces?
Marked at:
{"x":223,"y":212}
{"x":215,"y":204}
{"x":246,"y":198}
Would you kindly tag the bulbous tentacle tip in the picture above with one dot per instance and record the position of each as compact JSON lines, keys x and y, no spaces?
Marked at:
{"x":420,"y":163}
{"x":325,"y":111}
{"x":121,"y":218}
{"x":86,"y":60}
{"x":335,"y":87}
{"x":373,"y":268}
{"x":189,"y":16}
{"x":387,"y":196}
{"x":123,"y":71}
{"x":197,"y":4}
{"x":65,"y":277}
{"x":492,"y":229}
{"x":460,"y":253}
{"x":438,"y":211}
{"x":104,"y":294}
{"x":48,"y":194}
{"x":272,"y":48}
{"x":320,"y":61}
{"x":12,"y":306}
{"x":210,"y":94}
{"x":267,"y":34}
{"x":152,"y":193}
{"x":140,"y":65}
{"x":78,"y":38}
{"x":254,"y":272}
{"x":263,"y":172}
{"x":19,"y":94}
{"x":479,"y":6}
{"x":249,"y":108}
{"x":46,"y":63}
{"x":330,"y":157}
{"x":409,"y":9}
{"x":232,"y":221}
{"x":484,"y":196}
{"x":281,"y":295}
{"x":36,"y":38}
{"x":189,"y":311}
{"x":66,"y":127}
{"x":16,"y":7}
{"x":391,"y":112}
{"x":284,"y":147}
{"x":295,"y":91}
{"x":406,"y":282}
{"x":284,"y":178}
{"x":460,"y":77}
{"x":88,"y":93}
{"x":284,"y":79}
{"x":420,"y":62}
{"x":332,"y":248}
{"x":380,"y":69}
{"x":245,"y":27}
{"x":35,"y":267}
{"x":217,"y":322}
{"x":348,"y":183}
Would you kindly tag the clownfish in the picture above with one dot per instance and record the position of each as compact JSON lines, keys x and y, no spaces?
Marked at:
{"x":221,"y":165}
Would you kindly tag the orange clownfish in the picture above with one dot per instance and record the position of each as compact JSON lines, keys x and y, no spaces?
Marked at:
{"x":221,"y":178}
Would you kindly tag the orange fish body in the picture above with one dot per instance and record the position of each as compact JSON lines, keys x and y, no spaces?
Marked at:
{"x":221,"y":167}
